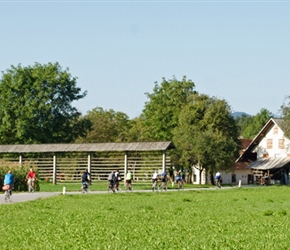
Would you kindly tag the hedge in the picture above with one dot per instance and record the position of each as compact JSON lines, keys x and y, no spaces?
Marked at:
{"x":20,"y":173}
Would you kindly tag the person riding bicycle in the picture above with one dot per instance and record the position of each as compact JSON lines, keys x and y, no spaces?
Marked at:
{"x":179,"y":178}
{"x":85,"y":180}
{"x":111,"y":179}
{"x":154,"y":180}
{"x":117,"y":179}
{"x":218,"y":179}
{"x":31,"y":179}
{"x":164,"y":179}
{"x":8,"y":182}
{"x":129,"y":178}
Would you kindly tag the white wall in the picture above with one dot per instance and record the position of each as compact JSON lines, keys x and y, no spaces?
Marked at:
{"x":275,"y":150}
{"x":241,"y":175}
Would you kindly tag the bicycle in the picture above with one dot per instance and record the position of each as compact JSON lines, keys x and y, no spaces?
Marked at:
{"x":128,"y":186}
{"x":30,"y":186}
{"x":218,"y":183}
{"x":7,"y":193}
{"x":111,"y":186}
{"x":180,"y":184}
{"x":163,"y":186}
{"x":85,"y":187}
{"x":117,"y":186}
{"x":154,"y":185}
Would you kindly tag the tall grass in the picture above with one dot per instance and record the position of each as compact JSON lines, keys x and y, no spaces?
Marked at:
{"x":246,"y":218}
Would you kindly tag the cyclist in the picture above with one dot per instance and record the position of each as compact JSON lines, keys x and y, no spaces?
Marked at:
{"x":117,"y":179}
{"x":9,"y":180}
{"x":30,"y":179}
{"x":164,"y":180}
{"x":85,"y":180}
{"x":111,"y":179}
{"x":86,"y":176}
{"x":218,"y":179}
{"x":154,"y":180}
{"x":129,"y":178}
{"x":179,"y":179}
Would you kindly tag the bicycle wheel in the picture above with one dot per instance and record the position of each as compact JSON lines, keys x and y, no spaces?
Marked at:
{"x":6,"y":196}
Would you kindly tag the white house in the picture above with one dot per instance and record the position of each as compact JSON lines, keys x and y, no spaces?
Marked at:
{"x":268,"y":153}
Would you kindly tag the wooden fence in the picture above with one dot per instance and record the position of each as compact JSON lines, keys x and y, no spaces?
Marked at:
{"x":69,"y":168}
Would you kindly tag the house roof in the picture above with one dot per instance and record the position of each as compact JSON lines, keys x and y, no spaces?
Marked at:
{"x":245,"y":155}
{"x":269,"y":163}
{"x":241,"y":165}
{"x":87,"y":147}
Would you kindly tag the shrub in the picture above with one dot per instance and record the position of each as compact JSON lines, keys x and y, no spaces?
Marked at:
{"x":19,"y":172}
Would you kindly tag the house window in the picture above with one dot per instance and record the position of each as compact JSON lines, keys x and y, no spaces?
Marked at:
{"x":281,"y":143}
{"x":269,"y":143}
{"x":275,"y":130}
{"x":194,"y":178}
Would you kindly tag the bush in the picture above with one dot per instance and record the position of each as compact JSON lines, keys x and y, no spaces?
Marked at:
{"x":19,"y":172}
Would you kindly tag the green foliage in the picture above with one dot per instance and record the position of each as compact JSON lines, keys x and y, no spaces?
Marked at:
{"x":35,"y":105}
{"x":107,"y":126}
{"x":207,"y":135}
{"x":19,"y":173}
{"x":285,"y":112}
{"x":161,"y":112}
{"x":220,"y":219}
{"x":250,"y":126}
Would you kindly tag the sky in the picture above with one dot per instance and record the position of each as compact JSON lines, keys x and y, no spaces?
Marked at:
{"x":233,"y":50}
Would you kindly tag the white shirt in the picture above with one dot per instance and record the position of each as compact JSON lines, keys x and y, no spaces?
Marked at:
{"x":155,"y":175}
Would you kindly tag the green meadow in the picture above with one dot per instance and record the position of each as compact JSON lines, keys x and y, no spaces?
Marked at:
{"x":237,"y":218}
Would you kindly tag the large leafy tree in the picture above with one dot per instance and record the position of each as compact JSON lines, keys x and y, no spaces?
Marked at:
{"x":107,"y":126}
{"x":251,"y":125}
{"x":285,"y":112}
{"x":161,"y":112}
{"x":36,"y":105}
{"x":207,"y":135}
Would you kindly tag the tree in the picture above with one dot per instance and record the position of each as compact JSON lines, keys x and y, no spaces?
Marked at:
{"x":251,"y":125}
{"x":36,"y":105}
{"x":206,"y":136}
{"x":161,"y":112}
{"x":107,"y":126}
{"x":285,"y":112}
{"x":135,"y":132}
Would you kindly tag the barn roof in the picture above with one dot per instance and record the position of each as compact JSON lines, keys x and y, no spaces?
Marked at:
{"x":270,"y":163}
{"x":87,"y":147}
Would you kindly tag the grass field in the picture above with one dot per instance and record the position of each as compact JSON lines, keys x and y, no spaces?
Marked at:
{"x":246,"y":218}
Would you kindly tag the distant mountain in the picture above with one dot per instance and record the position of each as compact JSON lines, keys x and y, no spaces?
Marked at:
{"x":238,"y":114}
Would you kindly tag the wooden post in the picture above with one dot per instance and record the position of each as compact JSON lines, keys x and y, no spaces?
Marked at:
{"x":125,"y":166}
{"x":164,"y":161}
{"x":20,"y":160}
{"x":54,"y":177}
{"x":89,"y":163}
